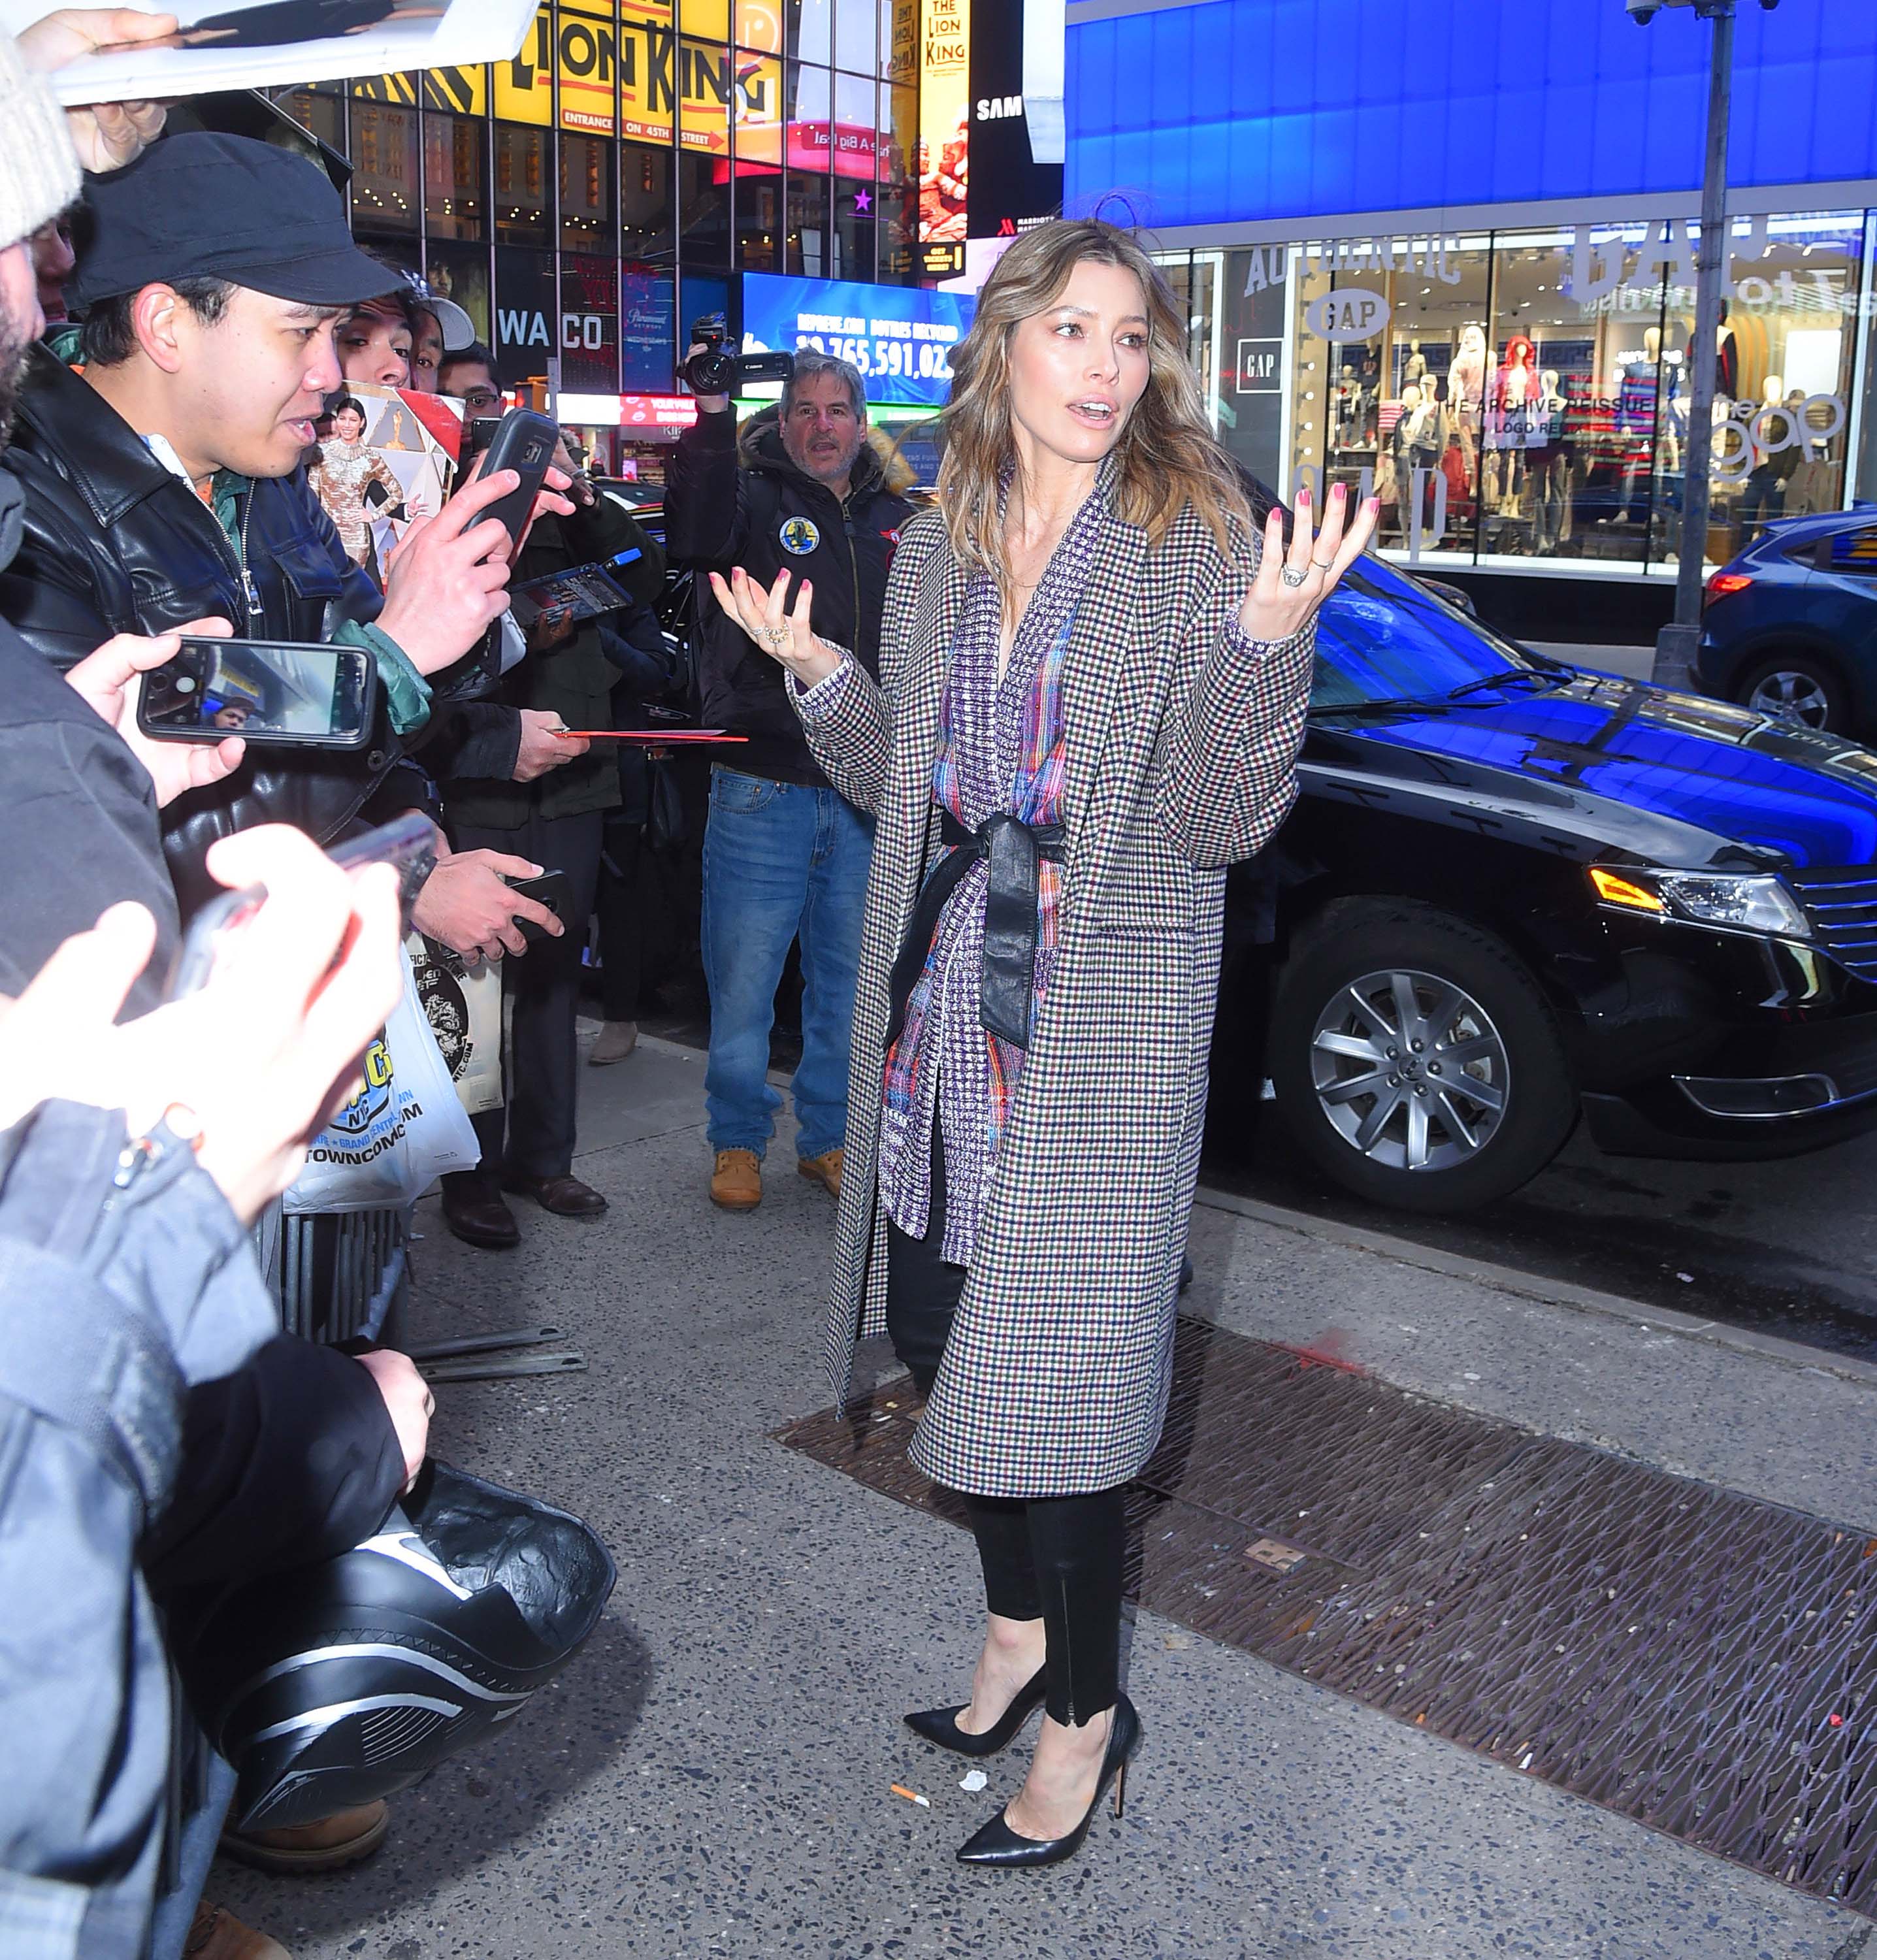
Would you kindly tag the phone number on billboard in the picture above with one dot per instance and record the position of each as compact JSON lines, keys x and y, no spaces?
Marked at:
{"x":905,"y":360}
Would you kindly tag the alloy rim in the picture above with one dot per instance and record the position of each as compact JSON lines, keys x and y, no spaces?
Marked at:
{"x":1792,"y":697}
{"x":1410,"y":1070}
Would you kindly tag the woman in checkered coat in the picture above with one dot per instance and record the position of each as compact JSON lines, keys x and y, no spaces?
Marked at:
{"x":1093,"y":679}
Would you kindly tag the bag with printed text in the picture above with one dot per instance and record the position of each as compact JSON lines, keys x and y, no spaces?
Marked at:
{"x":403,"y":1130}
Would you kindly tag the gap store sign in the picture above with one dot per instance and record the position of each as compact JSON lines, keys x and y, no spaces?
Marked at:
{"x":901,"y":337}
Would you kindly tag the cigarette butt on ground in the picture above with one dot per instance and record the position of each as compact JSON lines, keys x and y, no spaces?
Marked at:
{"x":912,"y":1796}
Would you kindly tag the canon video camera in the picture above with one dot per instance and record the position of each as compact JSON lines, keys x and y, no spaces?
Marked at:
{"x":717,"y":371}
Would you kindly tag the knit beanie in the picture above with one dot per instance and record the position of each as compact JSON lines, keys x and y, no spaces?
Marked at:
{"x":39,"y":168}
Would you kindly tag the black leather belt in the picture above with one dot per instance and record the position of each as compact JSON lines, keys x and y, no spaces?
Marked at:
{"x":1013,"y":851}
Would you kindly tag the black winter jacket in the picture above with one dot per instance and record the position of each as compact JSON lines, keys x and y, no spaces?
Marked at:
{"x":115,"y":543}
{"x":726,"y":505}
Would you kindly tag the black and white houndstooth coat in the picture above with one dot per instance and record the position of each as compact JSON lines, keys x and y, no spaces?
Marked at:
{"x":1181,"y":745}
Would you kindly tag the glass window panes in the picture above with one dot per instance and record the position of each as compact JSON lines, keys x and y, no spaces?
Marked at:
{"x":645,"y":175}
{"x":810,"y":113}
{"x":318,"y":110}
{"x":385,"y":176}
{"x":522,"y":186}
{"x":759,"y":25}
{"x":854,"y":136}
{"x":857,"y":36}
{"x":586,"y":199}
{"x":853,"y":230}
{"x":455,"y":177}
{"x":811,"y":30}
{"x":759,"y":200}
{"x":805,"y":241}
{"x":898,"y":207}
{"x":703,"y":209}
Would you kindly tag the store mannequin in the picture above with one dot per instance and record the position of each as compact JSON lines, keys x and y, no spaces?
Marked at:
{"x":1414,"y":444}
{"x":1466,"y":390}
{"x":1516,"y":380}
{"x":1777,"y":425}
{"x":1726,"y":359}
{"x":1414,"y":368}
{"x":1548,"y":460}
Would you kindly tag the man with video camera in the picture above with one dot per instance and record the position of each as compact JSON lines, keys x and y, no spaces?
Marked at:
{"x":785,"y":856}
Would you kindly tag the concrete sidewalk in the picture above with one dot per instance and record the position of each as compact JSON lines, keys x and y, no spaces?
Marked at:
{"x":711,"y":1778}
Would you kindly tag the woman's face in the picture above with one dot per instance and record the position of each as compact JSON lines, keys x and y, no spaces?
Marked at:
{"x":1078,"y":368}
{"x":376,"y":346}
{"x":348,"y":424}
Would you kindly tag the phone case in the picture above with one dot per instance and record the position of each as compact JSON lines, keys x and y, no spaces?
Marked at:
{"x":524,"y":443}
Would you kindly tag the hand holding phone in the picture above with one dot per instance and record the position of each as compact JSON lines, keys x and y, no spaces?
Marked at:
{"x":110,"y":678}
{"x":525,"y":443}
{"x":279,"y":692}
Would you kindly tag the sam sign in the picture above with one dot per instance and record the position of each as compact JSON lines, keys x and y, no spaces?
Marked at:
{"x":1350,"y":313}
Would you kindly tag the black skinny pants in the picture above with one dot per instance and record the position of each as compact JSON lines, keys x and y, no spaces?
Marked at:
{"x":1057,"y":1560}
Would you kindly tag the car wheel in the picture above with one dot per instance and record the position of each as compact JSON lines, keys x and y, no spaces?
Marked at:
{"x":1415,"y":1059}
{"x":1795,"y":687}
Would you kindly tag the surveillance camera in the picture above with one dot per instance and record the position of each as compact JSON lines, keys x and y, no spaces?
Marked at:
{"x":1643,"y":11}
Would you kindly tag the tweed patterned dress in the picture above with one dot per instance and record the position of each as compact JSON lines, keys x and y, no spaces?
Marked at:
{"x":1180,"y":745}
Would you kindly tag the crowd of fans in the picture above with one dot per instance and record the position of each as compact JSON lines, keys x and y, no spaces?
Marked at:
{"x":176,"y":328}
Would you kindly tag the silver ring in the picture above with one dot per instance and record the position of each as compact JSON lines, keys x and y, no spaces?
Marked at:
{"x":1319,"y":565}
{"x":1292,"y":575}
{"x":775,"y":636}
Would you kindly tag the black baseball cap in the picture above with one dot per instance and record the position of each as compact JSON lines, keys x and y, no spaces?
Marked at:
{"x":199,"y":204}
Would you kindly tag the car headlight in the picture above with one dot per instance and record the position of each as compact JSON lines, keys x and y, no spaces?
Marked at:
{"x":1749,"y":901}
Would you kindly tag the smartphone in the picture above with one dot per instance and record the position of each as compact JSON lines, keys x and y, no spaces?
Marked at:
{"x":277,"y":691}
{"x":549,"y":889}
{"x":524,"y":442}
{"x":409,"y":842}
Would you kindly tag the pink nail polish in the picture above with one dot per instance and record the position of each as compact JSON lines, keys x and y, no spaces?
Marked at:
{"x":1337,"y":492}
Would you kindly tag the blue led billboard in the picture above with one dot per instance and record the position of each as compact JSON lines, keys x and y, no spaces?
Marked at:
{"x":1249,"y":109}
{"x":900,"y":337}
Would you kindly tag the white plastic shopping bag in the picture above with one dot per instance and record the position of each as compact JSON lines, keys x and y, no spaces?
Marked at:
{"x":465,"y":1012}
{"x":404,"y":1129}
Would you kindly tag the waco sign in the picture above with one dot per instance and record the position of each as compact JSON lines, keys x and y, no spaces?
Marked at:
{"x":1350,"y":313}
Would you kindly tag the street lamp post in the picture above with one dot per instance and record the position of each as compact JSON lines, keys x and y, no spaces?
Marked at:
{"x":1675,"y":644}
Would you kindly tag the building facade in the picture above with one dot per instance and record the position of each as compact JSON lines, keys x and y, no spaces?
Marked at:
{"x":1448,"y":256}
{"x":587,"y":200}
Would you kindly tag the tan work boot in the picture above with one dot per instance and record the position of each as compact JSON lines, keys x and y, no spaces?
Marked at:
{"x":825,"y":1170}
{"x":328,"y":1844}
{"x":736,"y":1182}
{"x":215,"y":1933}
{"x":617,"y":1040}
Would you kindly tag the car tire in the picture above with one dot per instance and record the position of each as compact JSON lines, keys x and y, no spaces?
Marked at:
{"x":1490,"y":1038}
{"x":1810,"y":688}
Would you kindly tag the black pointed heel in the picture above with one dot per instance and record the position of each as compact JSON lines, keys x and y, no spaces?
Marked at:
{"x":997,"y":1845}
{"x":940,"y":1725}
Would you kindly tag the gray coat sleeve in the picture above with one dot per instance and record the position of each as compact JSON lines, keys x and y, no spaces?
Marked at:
{"x":119,"y":1282}
{"x":1232,"y":755}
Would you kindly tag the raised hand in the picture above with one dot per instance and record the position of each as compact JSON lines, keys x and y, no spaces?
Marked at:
{"x":1291,"y":585}
{"x":111,"y":679}
{"x":785,"y":636}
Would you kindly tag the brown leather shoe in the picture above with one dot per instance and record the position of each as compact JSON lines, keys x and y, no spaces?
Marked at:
{"x":736,"y":1182}
{"x":825,"y":1170}
{"x":566,"y":1196}
{"x":473,"y":1209}
{"x":328,"y":1845}
{"x":216,"y":1934}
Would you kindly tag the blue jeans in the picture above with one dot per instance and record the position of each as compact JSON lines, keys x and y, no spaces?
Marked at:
{"x":781,"y":861}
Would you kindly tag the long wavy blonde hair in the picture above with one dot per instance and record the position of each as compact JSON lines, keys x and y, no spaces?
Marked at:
{"x":1169,"y":456}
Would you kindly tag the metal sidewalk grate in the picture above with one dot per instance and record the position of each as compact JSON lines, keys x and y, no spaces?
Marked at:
{"x":1696,"y":1660}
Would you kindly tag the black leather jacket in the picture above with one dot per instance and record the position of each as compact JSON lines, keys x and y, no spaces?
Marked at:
{"x":114,"y":543}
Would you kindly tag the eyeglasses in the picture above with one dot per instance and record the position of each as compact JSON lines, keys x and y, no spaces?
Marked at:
{"x":480,"y":398}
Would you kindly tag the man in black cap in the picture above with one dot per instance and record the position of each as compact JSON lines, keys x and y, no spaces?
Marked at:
{"x":162,"y":484}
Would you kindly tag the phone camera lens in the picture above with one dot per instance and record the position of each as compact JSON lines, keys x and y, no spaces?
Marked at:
{"x":185,"y":684}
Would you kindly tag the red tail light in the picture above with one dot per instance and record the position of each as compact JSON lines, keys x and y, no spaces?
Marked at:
{"x":1723,"y":582}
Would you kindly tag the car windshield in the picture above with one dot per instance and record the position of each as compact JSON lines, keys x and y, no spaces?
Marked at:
{"x":1382,"y":636}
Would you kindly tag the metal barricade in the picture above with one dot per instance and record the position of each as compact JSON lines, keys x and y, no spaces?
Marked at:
{"x":337,"y":1276}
